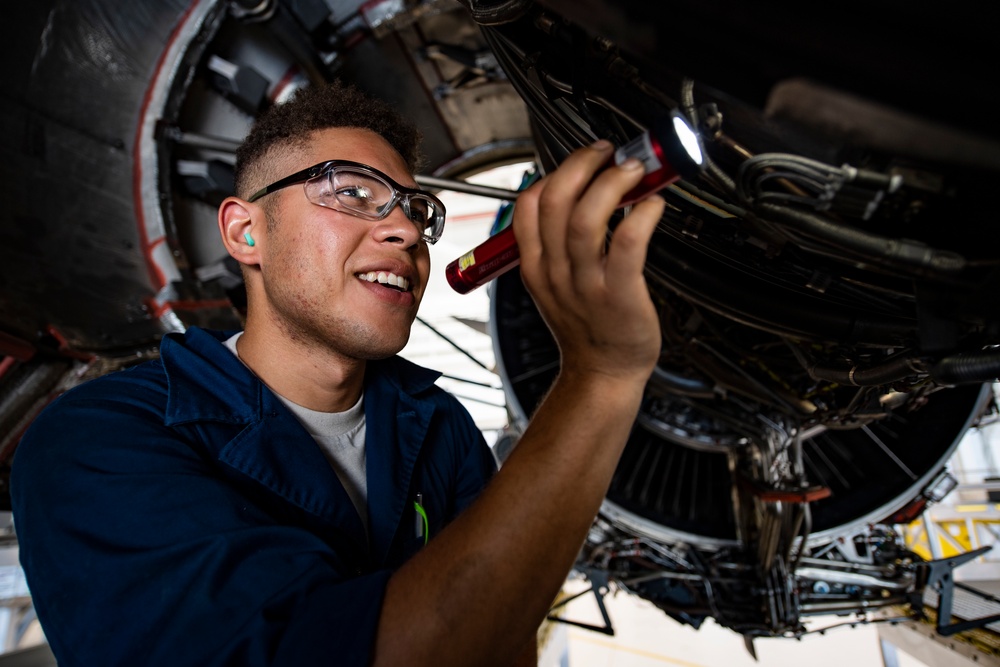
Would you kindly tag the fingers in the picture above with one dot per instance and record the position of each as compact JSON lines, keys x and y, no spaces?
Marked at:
{"x":563,"y":219}
{"x":587,"y":229}
{"x":593,"y":299}
{"x":631,"y":243}
{"x":560,"y":214}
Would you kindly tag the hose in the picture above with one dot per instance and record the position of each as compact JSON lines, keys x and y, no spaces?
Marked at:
{"x":969,"y":368}
{"x":973,"y":367}
{"x":885,"y":373}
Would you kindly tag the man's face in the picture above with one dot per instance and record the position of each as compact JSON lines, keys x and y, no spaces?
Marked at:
{"x":320,"y":268}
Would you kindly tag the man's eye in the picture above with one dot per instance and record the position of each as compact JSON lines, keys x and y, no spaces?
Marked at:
{"x":419,"y":213}
{"x":356,"y":192}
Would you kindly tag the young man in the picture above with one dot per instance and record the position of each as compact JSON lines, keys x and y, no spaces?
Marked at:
{"x":265,"y":498}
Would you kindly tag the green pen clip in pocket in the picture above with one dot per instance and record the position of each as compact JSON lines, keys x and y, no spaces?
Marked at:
{"x":423,"y":526}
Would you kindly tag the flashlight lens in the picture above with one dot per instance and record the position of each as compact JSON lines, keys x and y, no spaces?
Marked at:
{"x":688,"y":139}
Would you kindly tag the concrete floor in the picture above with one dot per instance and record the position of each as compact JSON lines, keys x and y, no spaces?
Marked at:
{"x":645,"y":637}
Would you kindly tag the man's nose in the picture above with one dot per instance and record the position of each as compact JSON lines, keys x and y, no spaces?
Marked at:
{"x":397,"y":228}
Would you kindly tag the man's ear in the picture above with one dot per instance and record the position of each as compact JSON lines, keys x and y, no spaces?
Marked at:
{"x":240,"y":230}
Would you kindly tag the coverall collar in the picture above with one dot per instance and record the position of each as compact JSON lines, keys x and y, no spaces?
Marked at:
{"x":207,"y":383}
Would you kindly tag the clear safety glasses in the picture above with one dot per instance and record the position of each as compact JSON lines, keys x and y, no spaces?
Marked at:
{"x":360,"y":190}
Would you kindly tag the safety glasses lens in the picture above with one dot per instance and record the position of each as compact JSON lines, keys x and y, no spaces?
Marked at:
{"x":427,"y":214}
{"x":362,"y":193}
{"x":368,"y":196}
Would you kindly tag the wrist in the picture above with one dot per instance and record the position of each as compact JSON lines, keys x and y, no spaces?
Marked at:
{"x":621,"y":386}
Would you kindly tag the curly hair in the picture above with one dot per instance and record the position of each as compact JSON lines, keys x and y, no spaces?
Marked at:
{"x":316,"y":108}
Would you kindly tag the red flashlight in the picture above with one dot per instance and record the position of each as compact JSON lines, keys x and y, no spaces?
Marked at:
{"x":667,"y":151}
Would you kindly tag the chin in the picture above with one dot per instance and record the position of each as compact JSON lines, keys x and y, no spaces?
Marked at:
{"x":374,"y":349}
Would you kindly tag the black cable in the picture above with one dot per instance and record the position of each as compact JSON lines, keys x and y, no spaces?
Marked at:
{"x":454,"y":345}
{"x":542,"y":109}
{"x":873,"y":246}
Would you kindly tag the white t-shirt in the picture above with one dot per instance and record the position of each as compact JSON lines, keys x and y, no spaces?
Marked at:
{"x":341,"y":436}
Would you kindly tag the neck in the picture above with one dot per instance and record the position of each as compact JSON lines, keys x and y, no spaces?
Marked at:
{"x":303,"y":371}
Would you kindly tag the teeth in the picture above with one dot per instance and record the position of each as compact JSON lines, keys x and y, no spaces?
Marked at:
{"x":386,"y":278}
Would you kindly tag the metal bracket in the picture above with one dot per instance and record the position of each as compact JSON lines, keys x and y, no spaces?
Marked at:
{"x":599,"y":587}
{"x":939,"y":577}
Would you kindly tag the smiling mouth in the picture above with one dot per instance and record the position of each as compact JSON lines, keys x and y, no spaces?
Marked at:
{"x":386,"y":278}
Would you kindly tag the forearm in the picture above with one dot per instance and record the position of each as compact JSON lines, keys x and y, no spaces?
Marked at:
{"x":480,"y":589}
{"x":528,"y":657}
